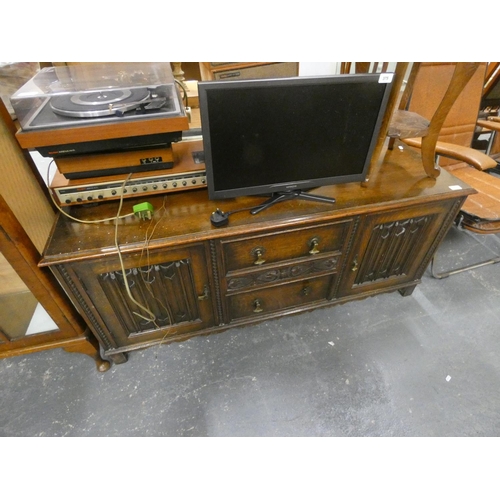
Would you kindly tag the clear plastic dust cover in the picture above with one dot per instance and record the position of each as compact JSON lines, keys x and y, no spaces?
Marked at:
{"x":94,"y":93}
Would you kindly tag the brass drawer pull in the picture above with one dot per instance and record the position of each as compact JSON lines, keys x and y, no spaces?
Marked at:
{"x":306,"y":290}
{"x":257,"y":306}
{"x":258,"y":253}
{"x":354,"y":267}
{"x":314,"y":243}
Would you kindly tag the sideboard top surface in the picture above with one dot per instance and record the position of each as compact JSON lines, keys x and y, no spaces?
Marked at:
{"x":184,"y":218}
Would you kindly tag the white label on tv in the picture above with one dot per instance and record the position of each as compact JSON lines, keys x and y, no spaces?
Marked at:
{"x":385,"y":78}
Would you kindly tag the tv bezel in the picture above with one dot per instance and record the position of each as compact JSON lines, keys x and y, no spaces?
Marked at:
{"x":290,"y":186}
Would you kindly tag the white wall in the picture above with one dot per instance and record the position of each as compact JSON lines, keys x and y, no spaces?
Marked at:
{"x":319,"y":68}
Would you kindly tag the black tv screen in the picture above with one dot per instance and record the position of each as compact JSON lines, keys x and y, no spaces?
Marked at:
{"x":289,"y":134}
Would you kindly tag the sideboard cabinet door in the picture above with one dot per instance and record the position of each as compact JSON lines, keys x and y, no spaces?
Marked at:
{"x":392,"y":249}
{"x":161,"y":294}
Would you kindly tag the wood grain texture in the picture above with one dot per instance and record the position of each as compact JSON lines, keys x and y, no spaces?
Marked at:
{"x":21,"y":189}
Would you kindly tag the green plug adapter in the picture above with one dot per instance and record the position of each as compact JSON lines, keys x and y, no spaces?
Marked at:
{"x":144,"y":210}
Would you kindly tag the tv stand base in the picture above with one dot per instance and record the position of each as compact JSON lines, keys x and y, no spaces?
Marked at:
{"x":280,"y":196}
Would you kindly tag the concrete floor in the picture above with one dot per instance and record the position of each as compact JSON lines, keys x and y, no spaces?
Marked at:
{"x":424,"y":365}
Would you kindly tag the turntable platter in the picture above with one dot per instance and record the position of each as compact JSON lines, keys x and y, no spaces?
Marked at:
{"x":101,"y":103}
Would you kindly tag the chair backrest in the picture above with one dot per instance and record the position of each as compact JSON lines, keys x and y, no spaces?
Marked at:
{"x":427,"y":91}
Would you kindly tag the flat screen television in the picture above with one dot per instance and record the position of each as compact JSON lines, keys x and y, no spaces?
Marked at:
{"x":285,"y":136}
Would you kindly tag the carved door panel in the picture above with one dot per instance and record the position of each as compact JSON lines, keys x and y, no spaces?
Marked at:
{"x":159,"y":295}
{"x":394,"y":248}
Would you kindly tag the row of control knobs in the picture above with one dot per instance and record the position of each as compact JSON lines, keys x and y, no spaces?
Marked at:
{"x":154,"y":187}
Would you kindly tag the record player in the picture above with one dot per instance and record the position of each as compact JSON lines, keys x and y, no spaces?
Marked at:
{"x":99,"y":107}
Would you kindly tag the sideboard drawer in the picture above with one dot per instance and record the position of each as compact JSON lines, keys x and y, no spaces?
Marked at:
{"x":284,"y":245}
{"x":269,"y":300}
{"x":273,"y":275}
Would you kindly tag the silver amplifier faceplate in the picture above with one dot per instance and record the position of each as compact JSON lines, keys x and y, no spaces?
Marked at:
{"x":76,"y":194}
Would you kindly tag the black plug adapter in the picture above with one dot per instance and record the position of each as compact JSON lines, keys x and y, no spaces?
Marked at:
{"x":219,"y":218}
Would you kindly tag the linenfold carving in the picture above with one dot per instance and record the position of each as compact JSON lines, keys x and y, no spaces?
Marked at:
{"x":391,"y":249}
{"x":150,"y":286}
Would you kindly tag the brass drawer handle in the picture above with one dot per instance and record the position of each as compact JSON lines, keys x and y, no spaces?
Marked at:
{"x":354,"y":267}
{"x":306,"y":290}
{"x":258,"y":253}
{"x":314,"y":243}
{"x":257,"y":306}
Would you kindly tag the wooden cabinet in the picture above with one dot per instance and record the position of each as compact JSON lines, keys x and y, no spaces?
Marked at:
{"x":184,"y":277}
{"x":35,"y":313}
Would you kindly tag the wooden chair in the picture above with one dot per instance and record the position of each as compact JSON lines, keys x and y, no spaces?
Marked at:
{"x":409,"y":124}
{"x":402,"y":123}
{"x":481,"y":212}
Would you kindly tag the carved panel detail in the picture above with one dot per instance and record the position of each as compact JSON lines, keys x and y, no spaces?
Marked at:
{"x":215,"y":274}
{"x":391,"y":249}
{"x":283,"y":273}
{"x":151,"y":297}
{"x":65,"y":275}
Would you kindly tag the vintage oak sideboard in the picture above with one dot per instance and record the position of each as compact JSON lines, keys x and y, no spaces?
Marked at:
{"x":184,"y":277}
